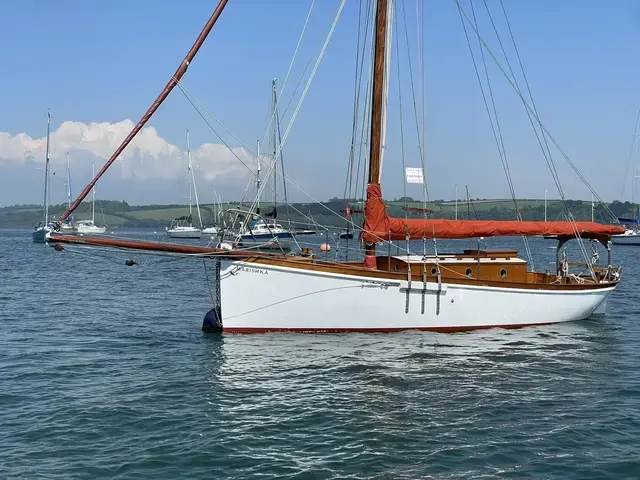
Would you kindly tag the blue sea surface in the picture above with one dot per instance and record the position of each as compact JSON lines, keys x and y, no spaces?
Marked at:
{"x":105,"y":373}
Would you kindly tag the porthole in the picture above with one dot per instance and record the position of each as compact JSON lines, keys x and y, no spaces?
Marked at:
{"x":468,"y":272}
{"x":503,"y":273}
{"x":396,"y":267}
{"x":434,"y":270}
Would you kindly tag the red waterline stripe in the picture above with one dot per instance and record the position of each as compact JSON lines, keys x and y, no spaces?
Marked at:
{"x":378,"y":330}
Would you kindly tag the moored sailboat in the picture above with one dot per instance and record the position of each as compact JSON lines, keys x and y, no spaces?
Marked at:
{"x":261,"y":292}
{"x":631,"y":235}
{"x":89,"y":227}
{"x":183,"y":227}
{"x":44,"y":228}
{"x":256,"y":228}
{"x":68,"y":226}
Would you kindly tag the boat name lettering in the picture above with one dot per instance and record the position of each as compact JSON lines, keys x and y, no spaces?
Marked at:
{"x":254,"y":270}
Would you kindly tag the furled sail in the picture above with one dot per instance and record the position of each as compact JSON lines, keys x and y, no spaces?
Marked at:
{"x":379,"y":226}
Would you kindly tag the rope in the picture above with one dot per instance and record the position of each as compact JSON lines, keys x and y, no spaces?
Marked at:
{"x":495,"y":128}
{"x":356,"y":104}
{"x":286,"y":78}
{"x":415,"y":107}
{"x":631,"y":152}
{"x":193,"y":101}
{"x":306,"y":88}
{"x":402,"y":155}
{"x":532,"y":114}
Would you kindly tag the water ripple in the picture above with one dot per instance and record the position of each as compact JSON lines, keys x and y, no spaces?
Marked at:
{"x":106,"y":374}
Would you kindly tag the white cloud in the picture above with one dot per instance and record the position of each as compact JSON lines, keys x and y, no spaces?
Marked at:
{"x":148,"y":156}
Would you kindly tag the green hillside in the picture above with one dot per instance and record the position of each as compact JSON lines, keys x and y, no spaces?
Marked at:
{"x":121,"y":214}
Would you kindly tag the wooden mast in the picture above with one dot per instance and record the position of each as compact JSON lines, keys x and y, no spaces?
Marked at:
{"x":175,"y":78}
{"x":377,"y":105}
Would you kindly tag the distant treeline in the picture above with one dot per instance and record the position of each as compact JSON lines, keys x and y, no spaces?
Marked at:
{"x":121,"y":214}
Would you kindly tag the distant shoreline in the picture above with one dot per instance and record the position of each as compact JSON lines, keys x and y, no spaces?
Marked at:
{"x":118,"y":214}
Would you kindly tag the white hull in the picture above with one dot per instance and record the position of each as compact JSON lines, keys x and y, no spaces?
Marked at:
{"x":626,"y":239}
{"x":258,"y":298}
{"x":210,"y":231}
{"x":41,"y":235}
{"x":91,"y":230}
{"x":184,"y":233}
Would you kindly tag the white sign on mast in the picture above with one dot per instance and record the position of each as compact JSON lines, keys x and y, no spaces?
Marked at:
{"x":414,"y":175}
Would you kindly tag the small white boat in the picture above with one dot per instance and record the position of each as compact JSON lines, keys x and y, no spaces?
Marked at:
{"x":265,"y":231}
{"x":87,"y":227}
{"x":179,"y":229}
{"x":210,"y":231}
{"x":629,"y":237}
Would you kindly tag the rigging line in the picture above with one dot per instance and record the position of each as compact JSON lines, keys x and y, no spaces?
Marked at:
{"x":404,"y":182}
{"x":349,"y":175}
{"x":295,"y":90}
{"x":529,"y":109}
{"x":499,"y":138}
{"x":421,"y":140}
{"x":544,"y":138}
{"x":284,"y":179}
{"x":575,"y":169}
{"x":634,"y":139}
{"x":415,"y":107}
{"x":366,"y":123}
{"x":524,"y":74}
{"x":356,"y":104}
{"x":514,"y":84}
{"x":421,"y":68}
{"x":192,"y":100}
{"x":357,"y":90}
{"x":309,"y":81}
{"x":500,"y":144}
{"x":295,"y":53}
{"x":471,"y":204}
{"x":179,"y":73}
{"x":484,"y":98}
{"x":547,"y":154}
{"x":543,"y":129}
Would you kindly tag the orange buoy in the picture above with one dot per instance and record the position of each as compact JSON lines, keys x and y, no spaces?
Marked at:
{"x":57,"y":247}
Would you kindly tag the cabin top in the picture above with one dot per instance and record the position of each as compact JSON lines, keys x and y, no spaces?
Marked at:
{"x":482,"y":256}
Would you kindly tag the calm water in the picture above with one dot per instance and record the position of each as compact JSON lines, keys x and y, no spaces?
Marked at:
{"x":104,"y":373}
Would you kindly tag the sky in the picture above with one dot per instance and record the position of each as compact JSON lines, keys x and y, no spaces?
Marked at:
{"x":98,"y":66}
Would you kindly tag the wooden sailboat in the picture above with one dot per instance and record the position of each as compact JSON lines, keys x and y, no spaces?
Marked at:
{"x":261,"y":292}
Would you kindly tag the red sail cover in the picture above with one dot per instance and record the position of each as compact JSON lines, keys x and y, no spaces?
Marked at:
{"x":379,"y":227}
